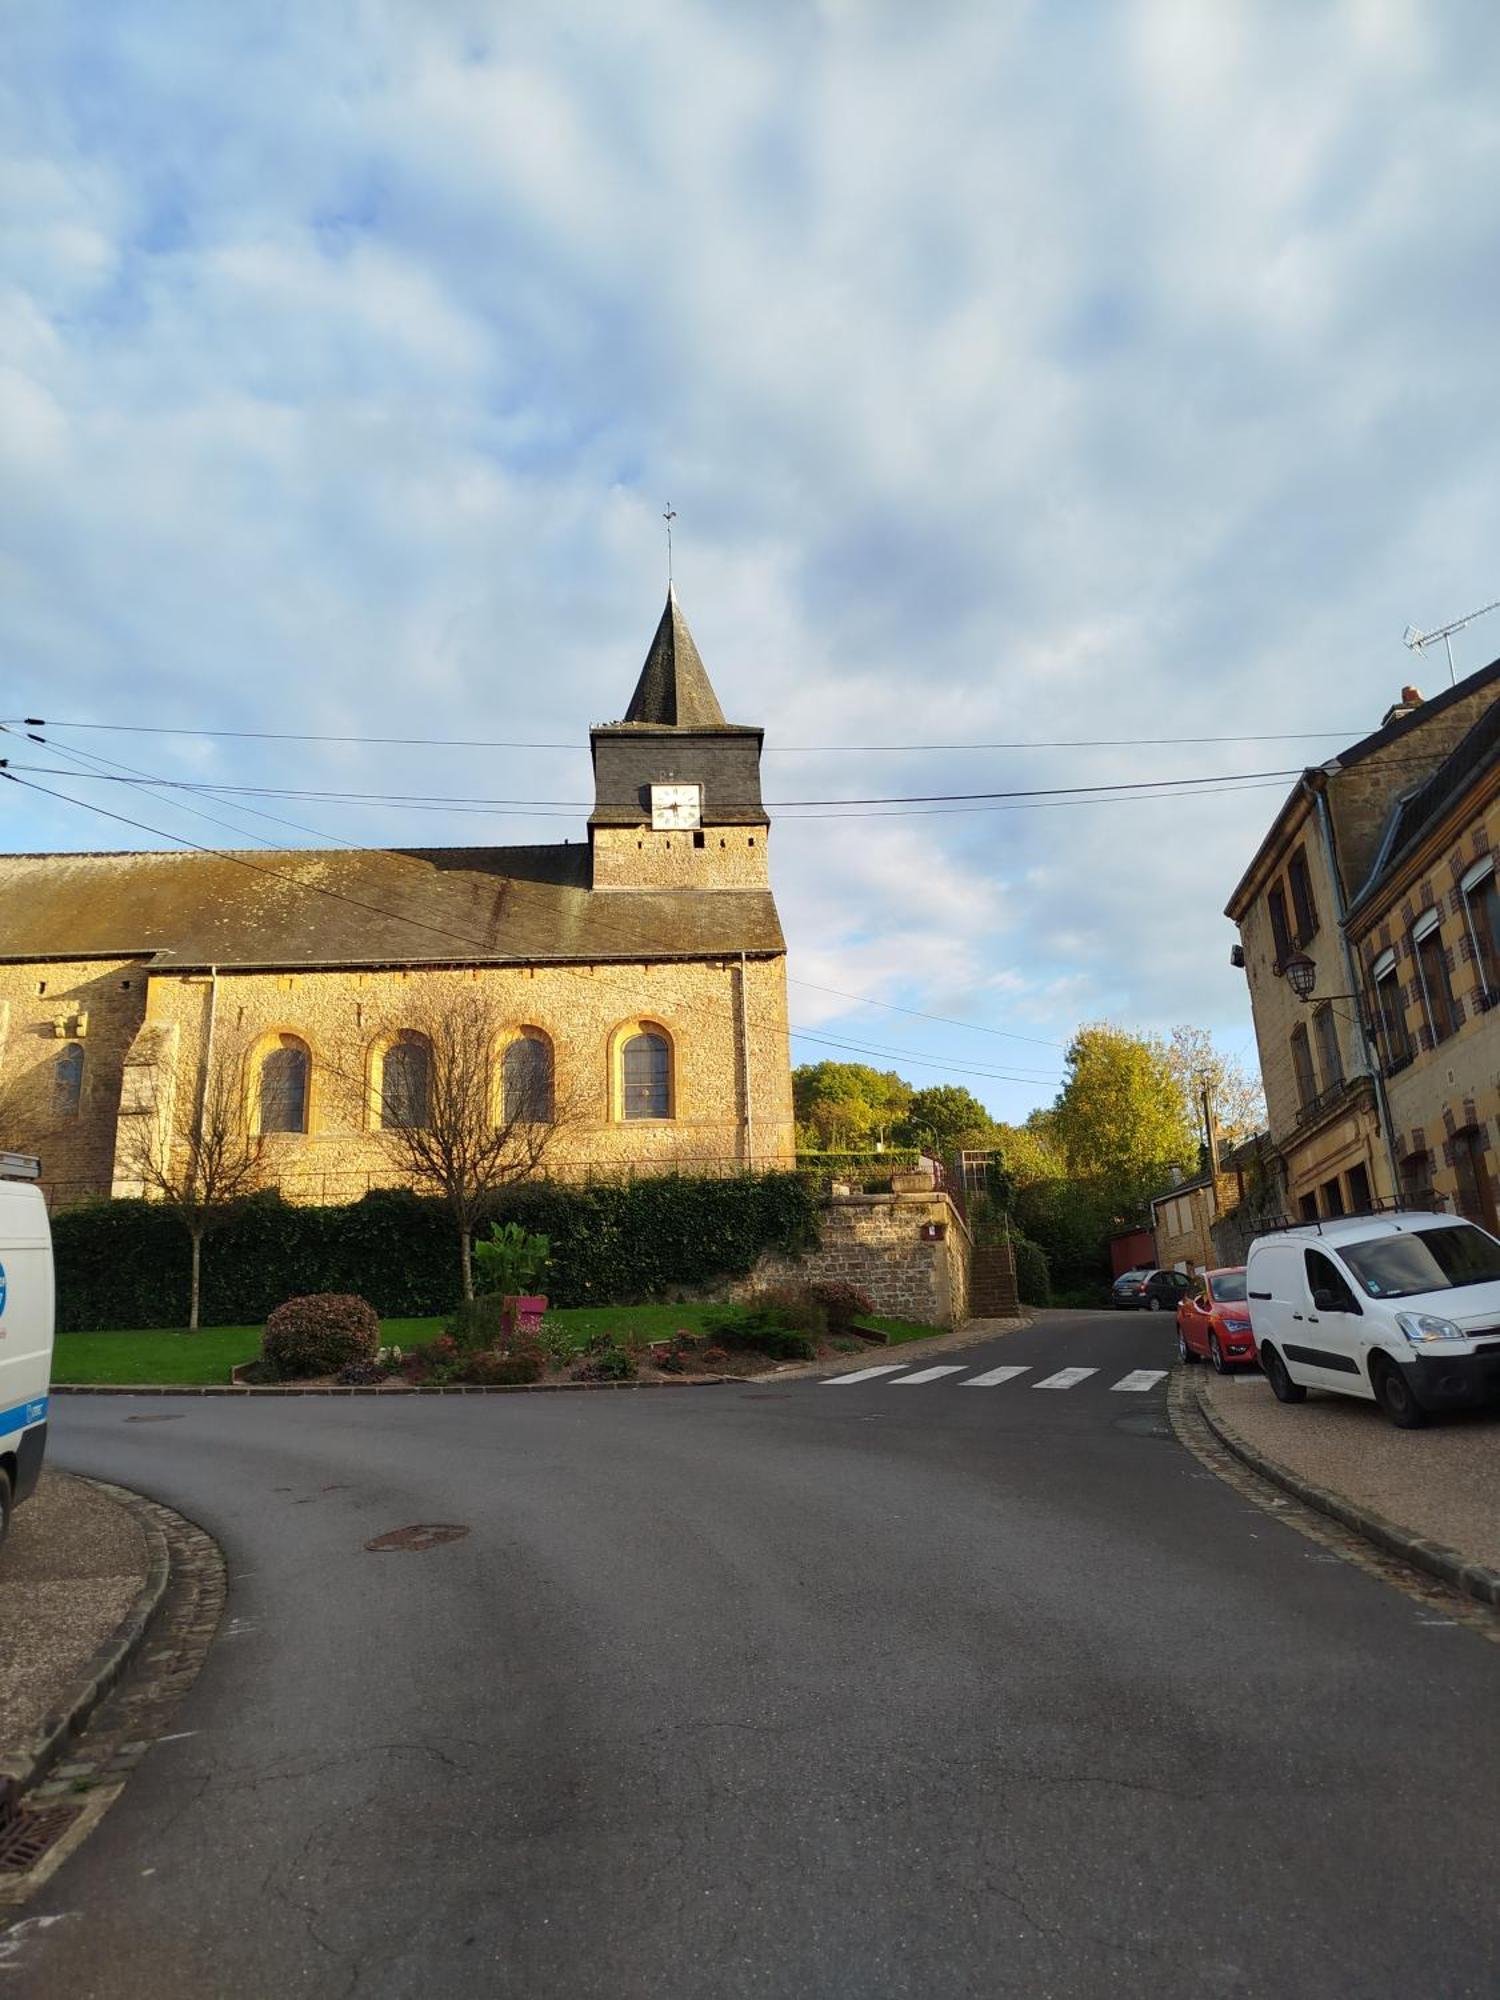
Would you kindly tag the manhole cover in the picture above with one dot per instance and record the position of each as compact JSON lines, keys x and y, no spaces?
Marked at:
{"x":27,"y":1833}
{"x":419,"y":1537}
{"x":175,"y":1417}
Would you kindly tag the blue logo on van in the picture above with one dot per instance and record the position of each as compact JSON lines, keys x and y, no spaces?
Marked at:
{"x":2,"y":1288}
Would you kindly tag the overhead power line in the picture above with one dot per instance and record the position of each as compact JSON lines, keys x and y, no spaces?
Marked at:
{"x":1166,"y":787}
{"x":771,"y":749}
{"x":478,"y":950}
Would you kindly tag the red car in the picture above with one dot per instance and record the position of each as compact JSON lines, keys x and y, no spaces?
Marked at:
{"x":1213,"y":1321}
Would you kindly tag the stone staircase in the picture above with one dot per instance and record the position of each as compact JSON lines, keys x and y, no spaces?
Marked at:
{"x":992,"y":1283}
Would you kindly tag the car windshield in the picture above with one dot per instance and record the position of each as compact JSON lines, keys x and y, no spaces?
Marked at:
{"x":1427,"y":1260}
{"x":1228,"y":1287}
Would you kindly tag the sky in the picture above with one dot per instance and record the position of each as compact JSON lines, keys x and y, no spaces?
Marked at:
{"x":1019,"y":374}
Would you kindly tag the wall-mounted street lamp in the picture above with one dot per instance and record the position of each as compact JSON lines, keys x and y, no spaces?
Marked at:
{"x":1302,"y":976}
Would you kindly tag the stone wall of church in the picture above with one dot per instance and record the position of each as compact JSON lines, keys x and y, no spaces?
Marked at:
{"x":585,"y":1012}
{"x":65,"y":1030}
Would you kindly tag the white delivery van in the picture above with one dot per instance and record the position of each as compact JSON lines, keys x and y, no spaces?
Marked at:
{"x":26,"y":1317}
{"x":1402,"y":1309}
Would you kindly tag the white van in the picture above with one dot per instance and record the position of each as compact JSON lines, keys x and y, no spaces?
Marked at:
{"x":26,"y":1317}
{"x":1402,"y":1309}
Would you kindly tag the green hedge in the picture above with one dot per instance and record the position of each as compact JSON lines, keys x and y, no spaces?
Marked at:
{"x":125,"y":1263}
{"x":857,"y":1168}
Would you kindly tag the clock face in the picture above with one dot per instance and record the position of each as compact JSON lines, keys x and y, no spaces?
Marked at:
{"x":676,"y":806}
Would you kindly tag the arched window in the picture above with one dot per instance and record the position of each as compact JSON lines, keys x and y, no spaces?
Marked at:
{"x":405,"y":1084}
{"x":646,"y":1076}
{"x":526,"y":1080}
{"x":67,"y":1081}
{"x":284,"y":1070}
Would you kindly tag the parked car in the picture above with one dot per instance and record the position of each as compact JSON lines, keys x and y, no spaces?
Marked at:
{"x":1164,"y":1291}
{"x":1213,"y":1321}
{"x":1401,"y":1309}
{"x":1126,"y":1291}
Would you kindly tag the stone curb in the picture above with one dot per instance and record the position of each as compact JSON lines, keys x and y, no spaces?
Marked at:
{"x":380,"y":1388}
{"x":1472,"y":1578}
{"x":24,"y":1767}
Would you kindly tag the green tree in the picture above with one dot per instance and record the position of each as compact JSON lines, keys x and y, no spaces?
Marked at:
{"x":1122,"y":1117}
{"x":847,"y":1107}
{"x":944,"y":1116}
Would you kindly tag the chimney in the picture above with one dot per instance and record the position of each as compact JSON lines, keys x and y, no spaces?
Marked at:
{"x":1411,"y":699}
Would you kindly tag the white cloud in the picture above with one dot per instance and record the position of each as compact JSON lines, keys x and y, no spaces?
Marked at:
{"x":1015,"y":373}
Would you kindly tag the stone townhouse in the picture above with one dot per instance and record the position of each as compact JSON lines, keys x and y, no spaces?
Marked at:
{"x":1425,"y":932}
{"x":1335,"y":1140}
{"x":637,"y":977}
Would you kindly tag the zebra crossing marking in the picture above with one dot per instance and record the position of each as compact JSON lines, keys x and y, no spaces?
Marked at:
{"x":1140,"y":1379}
{"x":993,"y":1378}
{"x":863,"y":1375}
{"x":929,"y":1375}
{"x":1065,"y":1378}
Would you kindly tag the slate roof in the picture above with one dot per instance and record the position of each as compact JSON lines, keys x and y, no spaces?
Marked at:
{"x":362,"y":906}
{"x":674,"y":687}
{"x":1412,"y":816}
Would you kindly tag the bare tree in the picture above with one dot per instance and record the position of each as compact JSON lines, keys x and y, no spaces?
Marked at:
{"x":194,"y":1155}
{"x":453,"y":1118}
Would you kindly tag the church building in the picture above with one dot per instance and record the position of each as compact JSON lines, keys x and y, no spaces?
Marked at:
{"x":637,"y":979}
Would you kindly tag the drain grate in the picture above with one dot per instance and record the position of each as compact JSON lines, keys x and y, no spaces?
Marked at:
{"x":27,"y":1832}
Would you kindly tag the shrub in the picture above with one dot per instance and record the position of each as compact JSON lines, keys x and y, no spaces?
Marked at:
{"x":785,"y":1323}
{"x":843,"y":1304}
{"x":320,"y":1334}
{"x":523,"y":1361}
{"x":125,"y":1263}
{"x":1033,"y":1273}
{"x":556,"y":1343}
{"x":606,"y":1361}
{"x":478,"y":1323}
{"x":361,"y":1374}
{"x":679,"y":1353}
{"x":434,"y":1363}
{"x":714,"y":1359}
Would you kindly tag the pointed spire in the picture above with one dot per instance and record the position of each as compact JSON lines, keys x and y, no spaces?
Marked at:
{"x":674,"y":687}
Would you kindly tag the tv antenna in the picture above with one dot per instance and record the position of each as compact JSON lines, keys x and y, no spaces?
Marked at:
{"x":1418,"y":640}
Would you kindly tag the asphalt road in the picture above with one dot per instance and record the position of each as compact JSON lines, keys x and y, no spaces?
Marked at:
{"x":872,"y":1690}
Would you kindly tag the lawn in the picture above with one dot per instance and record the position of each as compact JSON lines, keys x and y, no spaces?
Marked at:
{"x":161,"y":1355}
{"x":899,"y":1331}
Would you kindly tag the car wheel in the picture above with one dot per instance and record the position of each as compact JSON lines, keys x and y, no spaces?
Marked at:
{"x":1153,"y":1304}
{"x":1216,"y":1355}
{"x":1184,"y":1352}
{"x":1283,"y":1388}
{"x":6,"y":1505}
{"x":1393,"y":1393}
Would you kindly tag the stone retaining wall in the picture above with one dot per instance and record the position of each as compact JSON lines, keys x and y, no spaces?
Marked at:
{"x":877,"y":1242}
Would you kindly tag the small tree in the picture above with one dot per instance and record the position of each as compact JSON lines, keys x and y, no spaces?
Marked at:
{"x":468,"y":1138}
{"x":197,"y":1157}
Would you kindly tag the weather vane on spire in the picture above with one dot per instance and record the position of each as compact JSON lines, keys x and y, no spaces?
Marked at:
{"x":669,"y":517}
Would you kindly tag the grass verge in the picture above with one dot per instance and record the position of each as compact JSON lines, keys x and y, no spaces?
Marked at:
{"x":162,"y":1354}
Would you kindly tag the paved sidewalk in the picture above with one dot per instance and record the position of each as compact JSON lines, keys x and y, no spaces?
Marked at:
{"x":1442,"y":1483}
{"x":72,"y":1569}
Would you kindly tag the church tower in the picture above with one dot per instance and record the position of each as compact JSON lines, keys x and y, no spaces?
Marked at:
{"x":677,"y":800}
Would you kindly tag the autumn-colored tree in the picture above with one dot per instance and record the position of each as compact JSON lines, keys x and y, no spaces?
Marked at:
{"x":1239,"y":1104}
{"x":1121,"y":1118}
{"x":847,"y":1107}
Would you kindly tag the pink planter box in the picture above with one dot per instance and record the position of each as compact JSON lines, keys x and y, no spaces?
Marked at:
{"x":524,"y":1314}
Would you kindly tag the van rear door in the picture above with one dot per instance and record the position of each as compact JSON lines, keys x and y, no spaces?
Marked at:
{"x":26,"y":1319}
